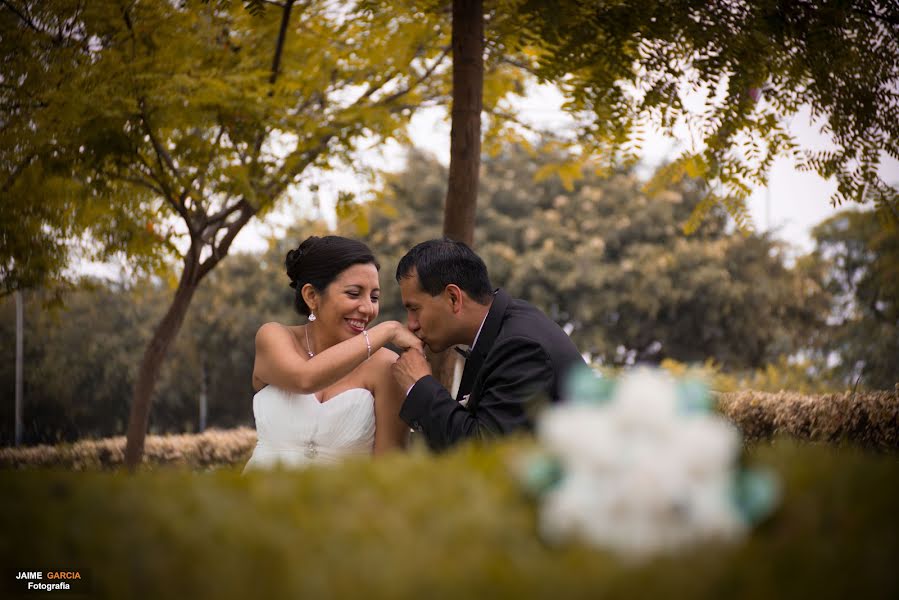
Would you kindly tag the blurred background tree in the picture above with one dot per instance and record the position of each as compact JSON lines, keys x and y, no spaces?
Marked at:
{"x":862,"y":275}
{"x":610,"y":263}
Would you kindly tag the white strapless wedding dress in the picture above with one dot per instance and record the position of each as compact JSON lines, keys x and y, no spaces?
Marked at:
{"x":296,"y":429}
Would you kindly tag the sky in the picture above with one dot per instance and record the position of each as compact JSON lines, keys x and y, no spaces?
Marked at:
{"x":791,"y":204}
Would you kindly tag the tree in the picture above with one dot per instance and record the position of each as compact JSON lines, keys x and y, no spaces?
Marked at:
{"x":611,"y":264}
{"x":177,"y":124}
{"x":861,"y":265}
{"x":629,"y":64}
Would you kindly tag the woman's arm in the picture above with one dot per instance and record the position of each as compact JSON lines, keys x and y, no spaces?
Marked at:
{"x":390,"y":431}
{"x":279,"y":363}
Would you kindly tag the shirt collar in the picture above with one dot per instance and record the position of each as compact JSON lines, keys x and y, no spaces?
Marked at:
{"x":478,"y":334}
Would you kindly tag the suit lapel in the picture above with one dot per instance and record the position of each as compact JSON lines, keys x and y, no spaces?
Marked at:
{"x":485,"y":342}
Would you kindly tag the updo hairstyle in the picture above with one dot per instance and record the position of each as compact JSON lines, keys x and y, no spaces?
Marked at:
{"x":319,"y":260}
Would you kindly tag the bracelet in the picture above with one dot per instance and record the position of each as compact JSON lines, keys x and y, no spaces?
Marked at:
{"x":367,"y":342}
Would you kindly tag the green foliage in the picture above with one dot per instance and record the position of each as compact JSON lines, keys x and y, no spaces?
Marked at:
{"x":612,"y":262}
{"x":453,"y":526}
{"x":860,"y":261}
{"x":160,"y":129}
{"x":630,"y":64}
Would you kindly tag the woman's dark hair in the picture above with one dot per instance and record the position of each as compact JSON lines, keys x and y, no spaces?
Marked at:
{"x":319,"y":260}
{"x":439,"y":263}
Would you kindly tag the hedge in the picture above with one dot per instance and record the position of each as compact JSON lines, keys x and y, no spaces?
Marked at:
{"x":870,"y":419}
{"x":453,"y":526}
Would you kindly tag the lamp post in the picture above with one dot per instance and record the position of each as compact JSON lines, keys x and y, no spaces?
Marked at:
{"x":20,"y":323}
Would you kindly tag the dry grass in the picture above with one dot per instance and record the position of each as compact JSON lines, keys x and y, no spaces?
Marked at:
{"x":208,"y":449}
{"x":870,"y":419}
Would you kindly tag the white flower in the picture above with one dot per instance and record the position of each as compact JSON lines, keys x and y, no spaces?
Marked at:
{"x":640,"y":476}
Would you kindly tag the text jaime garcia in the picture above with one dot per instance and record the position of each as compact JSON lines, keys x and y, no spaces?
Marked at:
{"x":66,"y":581}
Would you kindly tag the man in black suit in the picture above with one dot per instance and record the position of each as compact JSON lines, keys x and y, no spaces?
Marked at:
{"x":518,"y":354}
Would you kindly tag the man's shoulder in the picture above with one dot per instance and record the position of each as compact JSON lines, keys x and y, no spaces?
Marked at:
{"x":523,"y":318}
{"x":524,"y":321}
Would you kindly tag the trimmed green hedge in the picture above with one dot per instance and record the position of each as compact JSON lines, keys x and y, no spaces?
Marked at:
{"x":453,"y":526}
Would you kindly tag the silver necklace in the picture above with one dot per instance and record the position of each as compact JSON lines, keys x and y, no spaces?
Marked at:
{"x":308,"y":345}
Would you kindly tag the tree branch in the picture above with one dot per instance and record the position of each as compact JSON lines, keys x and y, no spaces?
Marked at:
{"x":161,"y":152}
{"x":892,"y":20}
{"x":276,"y":63}
{"x":221,"y":250}
{"x":143,"y":183}
{"x":162,"y":156}
{"x":200,"y":177}
{"x":224,"y":213}
{"x":418,"y":81}
{"x":279,"y":46}
{"x":305,"y":158}
{"x":25,"y":19}
{"x":18,"y":171}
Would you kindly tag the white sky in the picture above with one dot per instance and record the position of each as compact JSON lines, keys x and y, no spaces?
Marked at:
{"x":791,"y":205}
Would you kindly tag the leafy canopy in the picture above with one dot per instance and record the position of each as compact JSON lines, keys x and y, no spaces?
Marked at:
{"x":626,"y":65}
{"x":161,"y":128}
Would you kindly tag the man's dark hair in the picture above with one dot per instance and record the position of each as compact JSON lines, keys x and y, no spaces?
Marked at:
{"x":319,"y":260}
{"x":439,"y":263}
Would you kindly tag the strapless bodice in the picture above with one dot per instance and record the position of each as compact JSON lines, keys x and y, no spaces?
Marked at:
{"x":296,"y":429}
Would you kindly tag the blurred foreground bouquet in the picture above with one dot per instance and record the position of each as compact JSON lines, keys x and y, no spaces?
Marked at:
{"x":642,"y":466}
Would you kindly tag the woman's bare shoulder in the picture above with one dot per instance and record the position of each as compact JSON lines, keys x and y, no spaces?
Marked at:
{"x":272,"y":331}
{"x":377,"y":368}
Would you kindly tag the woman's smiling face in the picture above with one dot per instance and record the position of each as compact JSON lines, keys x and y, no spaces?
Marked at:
{"x":350,"y":303}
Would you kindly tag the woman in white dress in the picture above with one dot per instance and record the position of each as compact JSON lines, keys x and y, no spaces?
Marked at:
{"x":324,"y":390}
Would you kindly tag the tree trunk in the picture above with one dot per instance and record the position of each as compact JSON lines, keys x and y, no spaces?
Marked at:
{"x":465,"y":140}
{"x":154,"y":354}
{"x":465,"y":134}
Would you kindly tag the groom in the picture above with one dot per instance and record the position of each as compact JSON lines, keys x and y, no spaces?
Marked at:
{"x":518,"y":355}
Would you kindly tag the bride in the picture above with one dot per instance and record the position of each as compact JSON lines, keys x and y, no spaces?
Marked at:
{"x":324,"y":389}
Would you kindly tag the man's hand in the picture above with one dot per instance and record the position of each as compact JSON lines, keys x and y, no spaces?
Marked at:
{"x":410,"y":367}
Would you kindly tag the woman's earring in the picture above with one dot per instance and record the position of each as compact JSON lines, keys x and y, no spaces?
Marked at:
{"x":311,"y":316}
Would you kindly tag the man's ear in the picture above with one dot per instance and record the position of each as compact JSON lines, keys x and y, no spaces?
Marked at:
{"x":454,"y":296}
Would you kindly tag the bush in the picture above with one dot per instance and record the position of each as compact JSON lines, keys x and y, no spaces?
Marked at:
{"x":208,"y":449}
{"x":870,"y":419}
{"x":414,"y":525}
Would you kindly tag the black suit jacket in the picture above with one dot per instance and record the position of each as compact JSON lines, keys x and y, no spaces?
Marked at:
{"x":520,"y":356}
